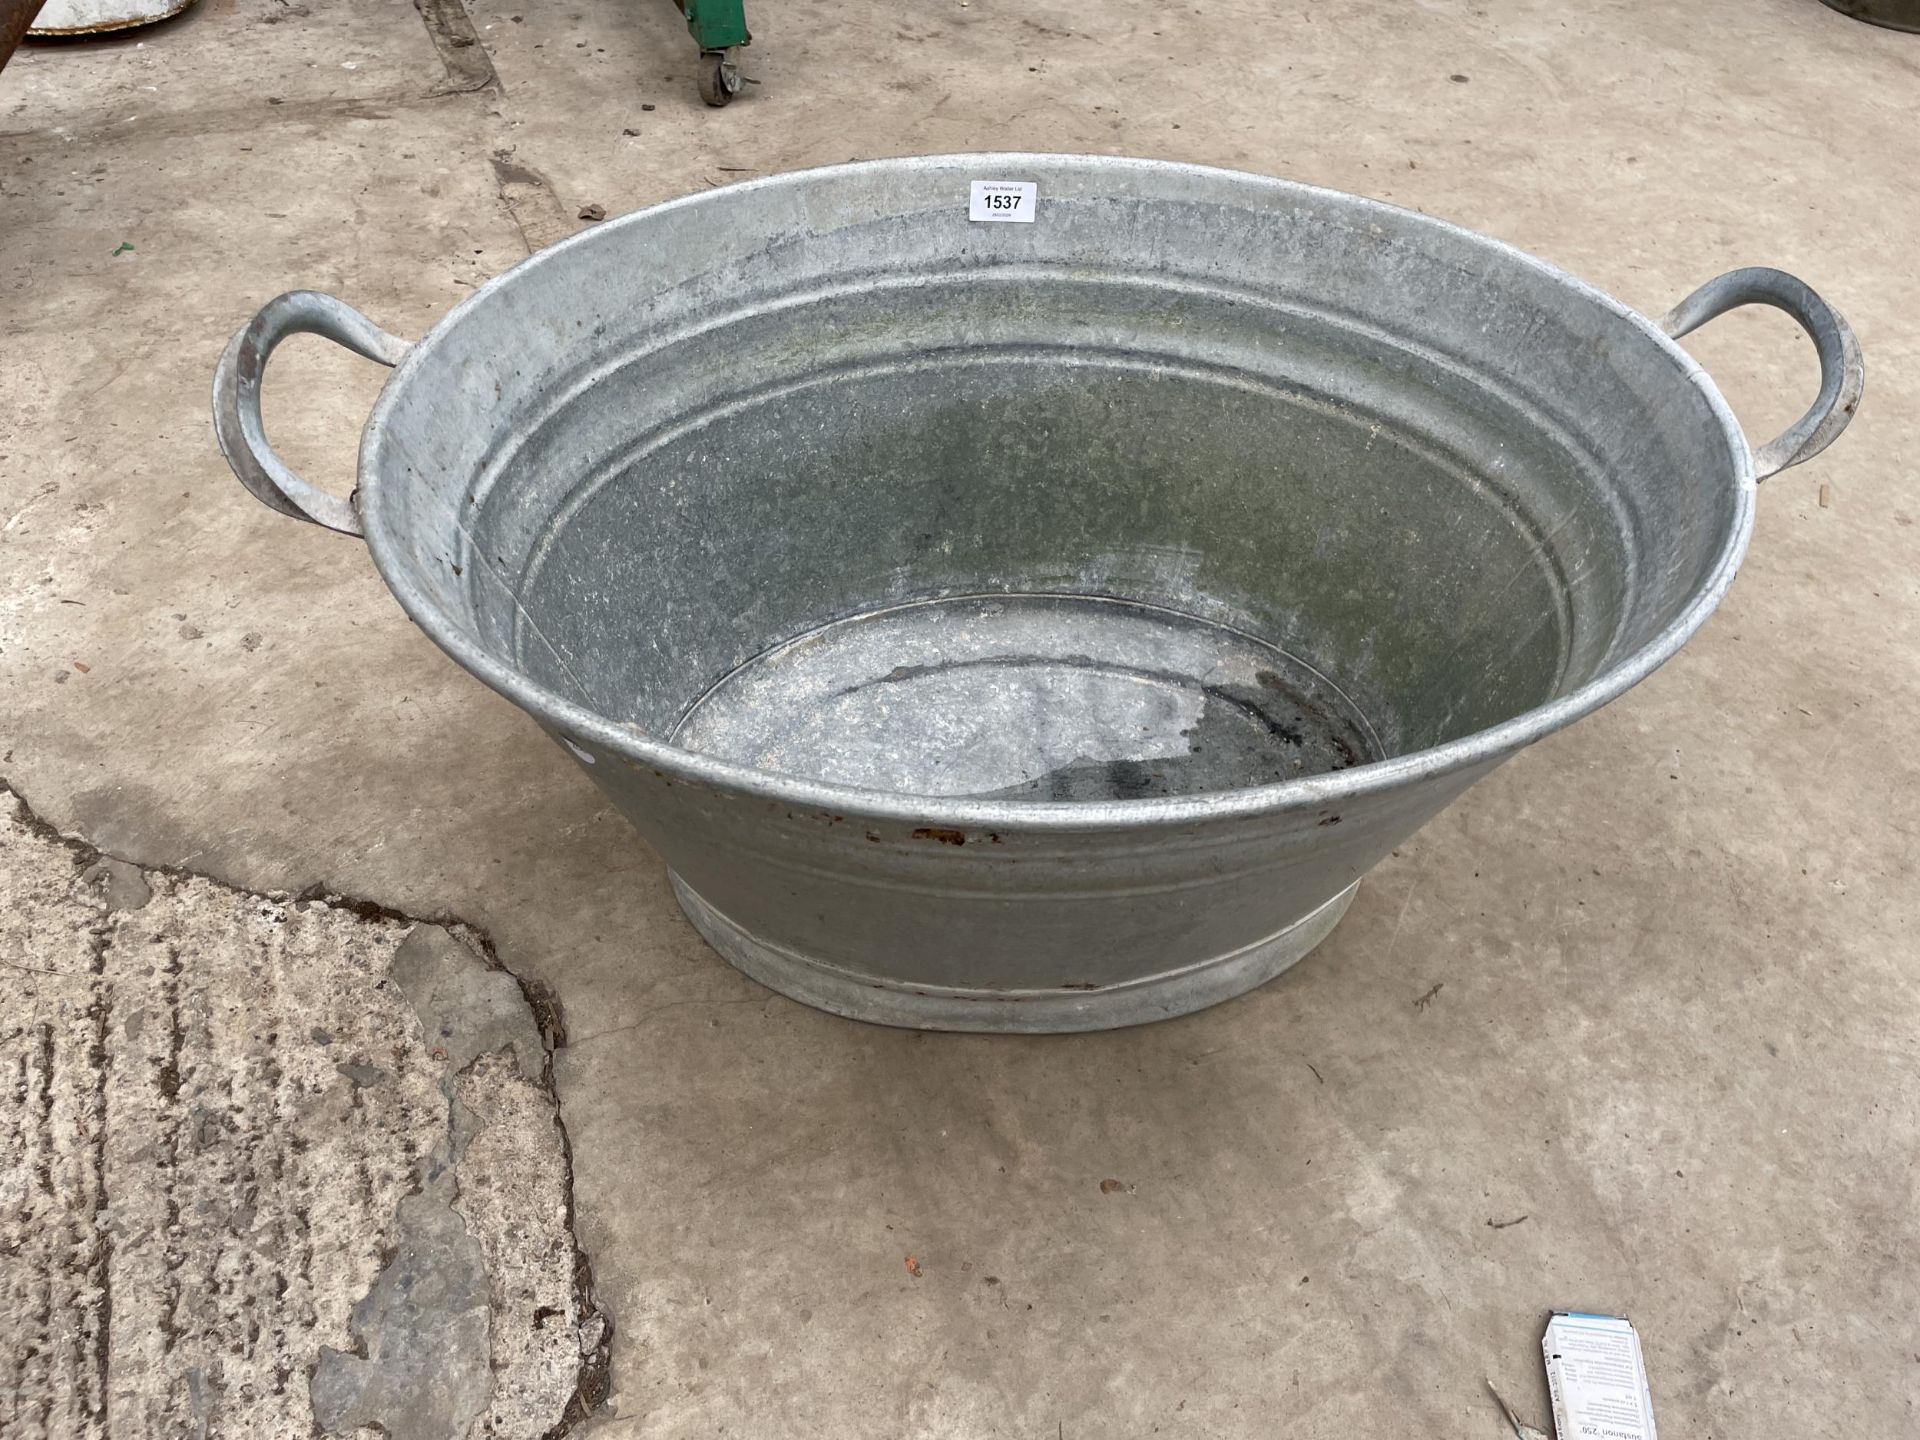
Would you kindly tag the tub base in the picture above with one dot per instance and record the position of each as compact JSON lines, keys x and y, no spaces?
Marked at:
{"x":1029,"y":1012}
{"x":1032,"y":697}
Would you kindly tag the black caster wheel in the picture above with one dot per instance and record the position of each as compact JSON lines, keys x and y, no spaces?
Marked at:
{"x":718,"y":77}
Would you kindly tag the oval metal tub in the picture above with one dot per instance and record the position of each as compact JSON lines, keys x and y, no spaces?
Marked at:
{"x":1041,"y":625}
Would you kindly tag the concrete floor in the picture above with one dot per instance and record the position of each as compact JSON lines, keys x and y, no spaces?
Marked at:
{"x":1677,"y":945}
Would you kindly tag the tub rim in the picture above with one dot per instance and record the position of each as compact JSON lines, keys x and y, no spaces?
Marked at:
{"x":585,"y":727}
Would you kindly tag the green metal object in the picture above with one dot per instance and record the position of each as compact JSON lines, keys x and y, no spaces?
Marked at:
{"x":719,"y":28}
{"x":717,"y":24}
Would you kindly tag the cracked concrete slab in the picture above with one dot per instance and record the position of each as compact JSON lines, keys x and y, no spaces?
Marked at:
{"x":271,"y":1166}
{"x":419,"y":1366}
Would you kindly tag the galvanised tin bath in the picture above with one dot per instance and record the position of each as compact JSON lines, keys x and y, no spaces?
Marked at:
{"x":1041,"y":625}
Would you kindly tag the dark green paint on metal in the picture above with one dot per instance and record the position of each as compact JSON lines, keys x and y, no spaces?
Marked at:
{"x":717,"y":24}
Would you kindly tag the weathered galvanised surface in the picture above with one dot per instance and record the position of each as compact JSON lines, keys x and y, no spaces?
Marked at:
{"x":1041,"y":626}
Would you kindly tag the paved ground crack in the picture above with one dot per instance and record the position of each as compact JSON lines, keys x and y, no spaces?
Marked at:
{"x":469,"y":66}
{"x":530,"y":199}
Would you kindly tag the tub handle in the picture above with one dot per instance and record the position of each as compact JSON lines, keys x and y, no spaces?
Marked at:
{"x":236,"y":398}
{"x":1843,"y":372}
